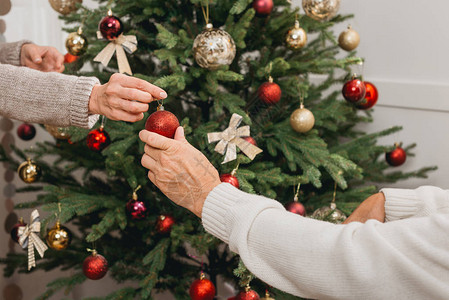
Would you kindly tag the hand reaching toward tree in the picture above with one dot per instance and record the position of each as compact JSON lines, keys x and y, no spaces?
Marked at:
{"x":41,"y":58}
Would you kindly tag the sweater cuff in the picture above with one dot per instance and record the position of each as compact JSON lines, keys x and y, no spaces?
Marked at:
{"x":11,"y":52}
{"x":400,"y":204}
{"x":79,"y":107}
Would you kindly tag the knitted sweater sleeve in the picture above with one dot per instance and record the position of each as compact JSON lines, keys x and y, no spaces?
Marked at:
{"x":405,"y":259}
{"x":10,"y":52}
{"x":47,"y":98}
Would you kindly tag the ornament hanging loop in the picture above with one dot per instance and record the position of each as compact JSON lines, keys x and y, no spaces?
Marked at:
{"x":296,"y":197}
{"x":205,"y":11}
{"x":135,"y":192}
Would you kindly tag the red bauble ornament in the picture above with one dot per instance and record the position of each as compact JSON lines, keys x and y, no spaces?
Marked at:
{"x":269,"y":92}
{"x":396,"y":157}
{"x":371,"y":96}
{"x":164,"y":223}
{"x":296,"y":208}
{"x":15,"y":231}
{"x":69,"y":58}
{"x":98,"y":139}
{"x":250,"y":140}
{"x":26,"y":131}
{"x":263,"y":7}
{"x":248,"y":294}
{"x":354,"y":90}
{"x":95,"y":266}
{"x":110,"y":27}
{"x":136,"y":209}
{"x":162,"y":122}
{"x":229,"y":178}
{"x":202,"y":289}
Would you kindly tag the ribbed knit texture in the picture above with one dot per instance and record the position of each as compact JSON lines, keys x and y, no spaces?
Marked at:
{"x":405,"y":259}
{"x":46,"y":98}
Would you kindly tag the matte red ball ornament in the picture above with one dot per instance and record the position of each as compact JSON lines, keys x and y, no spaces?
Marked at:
{"x":202,"y":289}
{"x":26,"y":131}
{"x":164,"y":223}
{"x":69,"y":58}
{"x":396,"y":157}
{"x":371,"y":96}
{"x":269,"y":92}
{"x":248,"y":294}
{"x":110,"y":27}
{"x":98,"y":139}
{"x":296,"y":208}
{"x":229,"y":178}
{"x":263,"y":7}
{"x":250,"y":140}
{"x":162,"y":122}
{"x":95,"y":266}
{"x":15,"y":230}
{"x":354,"y":90}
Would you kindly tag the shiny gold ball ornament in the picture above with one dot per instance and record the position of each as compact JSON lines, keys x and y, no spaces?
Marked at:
{"x":76,"y":43}
{"x":302,"y":120}
{"x":64,"y":6}
{"x":213,"y":48}
{"x":59,"y":237}
{"x":60,"y":133}
{"x":296,"y":37}
{"x":330,"y":214}
{"x":349,"y":39}
{"x":321,"y":10}
{"x":29,"y":171}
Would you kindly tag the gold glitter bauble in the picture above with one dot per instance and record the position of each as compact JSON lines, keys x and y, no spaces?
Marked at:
{"x":302,"y":120}
{"x":61,"y":133}
{"x":213,"y":48}
{"x":29,"y":172}
{"x":58,"y":237}
{"x":321,"y":10}
{"x":330,"y":214}
{"x":296,"y":37}
{"x":64,"y":6}
{"x":349,"y":39}
{"x":76,"y":43}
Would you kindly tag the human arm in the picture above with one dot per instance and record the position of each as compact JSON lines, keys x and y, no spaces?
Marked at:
{"x":10,"y":52}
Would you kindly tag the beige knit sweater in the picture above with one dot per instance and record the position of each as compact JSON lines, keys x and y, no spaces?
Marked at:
{"x":37,"y":97}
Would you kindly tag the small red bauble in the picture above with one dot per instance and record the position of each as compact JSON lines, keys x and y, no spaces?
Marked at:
{"x":69,"y":58}
{"x":354,"y":90}
{"x":229,"y":178}
{"x":164,"y":223}
{"x":15,"y":231}
{"x":269,"y":92}
{"x":162,"y":122}
{"x":202,"y":289}
{"x":250,"y":140}
{"x":296,"y":208}
{"x":26,"y":131}
{"x":396,"y":157}
{"x":248,"y":294}
{"x":263,"y":7}
{"x":136,"y":209}
{"x":95,"y":266}
{"x":371,"y":96}
{"x":98,"y":139}
{"x":110,"y":27}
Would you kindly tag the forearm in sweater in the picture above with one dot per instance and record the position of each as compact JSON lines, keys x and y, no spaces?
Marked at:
{"x":10,"y":52}
{"x":407,"y":259}
{"x":47,"y":98}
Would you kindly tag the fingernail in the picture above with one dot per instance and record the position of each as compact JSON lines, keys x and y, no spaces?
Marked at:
{"x":163,"y":95}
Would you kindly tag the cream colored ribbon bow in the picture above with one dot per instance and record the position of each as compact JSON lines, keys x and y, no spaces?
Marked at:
{"x":119,"y":45}
{"x":231,"y":137}
{"x":28,"y":237}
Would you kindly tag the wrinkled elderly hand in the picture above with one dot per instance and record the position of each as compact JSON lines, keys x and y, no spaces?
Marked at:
{"x":372,"y":208}
{"x":179,"y":170}
{"x":124,"y":98}
{"x":42,"y":58}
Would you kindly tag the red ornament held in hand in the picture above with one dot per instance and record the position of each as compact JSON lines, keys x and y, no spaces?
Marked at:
{"x":263,"y":7}
{"x":95,"y":266}
{"x":202,"y":289}
{"x":354,"y":90}
{"x":162,"y":122}
{"x":371,"y":96}
{"x":396,"y":157}
{"x":98,"y":139}
{"x":165,"y":223}
{"x":26,"y":131}
{"x":110,"y":27}
{"x":269,"y":92}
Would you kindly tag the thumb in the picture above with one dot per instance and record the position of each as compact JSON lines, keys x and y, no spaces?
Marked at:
{"x":179,"y":134}
{"x":34,"y":55}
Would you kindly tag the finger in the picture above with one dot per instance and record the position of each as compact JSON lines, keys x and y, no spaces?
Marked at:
{"x":152,"y":177}
{"x":152,"y":152}
{"x":140,"y":84}
{"x":179,"y":134}
{"x":132,"y":107}
{"x":34,"y":55}
{"x":148,"y":162}
{"x":119,"y":115}
{"x":155,"y":140}
{"x":134,"y":94}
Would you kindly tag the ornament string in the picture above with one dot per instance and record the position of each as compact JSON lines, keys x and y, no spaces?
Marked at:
{"x":296,"y":197}
{"x":135,"y":192}
{"x":103,"y":121}
{"x":206,"y":12}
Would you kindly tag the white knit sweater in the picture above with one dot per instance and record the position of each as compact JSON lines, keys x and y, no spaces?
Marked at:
{"x":404,"y":258}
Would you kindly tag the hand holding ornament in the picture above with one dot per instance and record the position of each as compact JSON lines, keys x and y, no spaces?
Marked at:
{"x":372,"y":208}
{"x":41,"y":58}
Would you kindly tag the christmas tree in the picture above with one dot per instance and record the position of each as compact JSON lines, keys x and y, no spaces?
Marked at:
{"x":256,"y":61}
